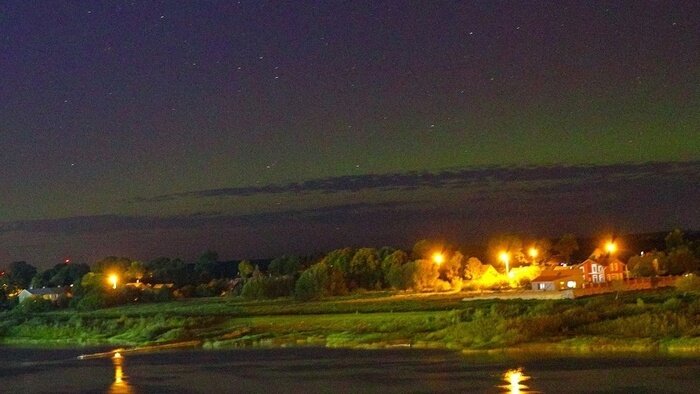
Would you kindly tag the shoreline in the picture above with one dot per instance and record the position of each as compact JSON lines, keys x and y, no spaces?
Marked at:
{"x":595,"y":347}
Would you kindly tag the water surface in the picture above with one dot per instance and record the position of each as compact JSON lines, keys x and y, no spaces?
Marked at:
{"x":339,"y":371}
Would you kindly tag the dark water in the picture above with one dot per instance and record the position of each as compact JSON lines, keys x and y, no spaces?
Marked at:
{"x":318,"y":370}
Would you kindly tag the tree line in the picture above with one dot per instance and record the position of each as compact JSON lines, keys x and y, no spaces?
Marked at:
{"x":339,"y":272}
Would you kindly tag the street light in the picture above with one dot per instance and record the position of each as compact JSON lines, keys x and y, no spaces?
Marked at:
{"x":533,"y":252}
{"x":438,"y":258}
{"x":610,"y":247}
{"x":113,"y":279}
{"x":505,"y":258}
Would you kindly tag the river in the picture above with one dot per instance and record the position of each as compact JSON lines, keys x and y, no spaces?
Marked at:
{"x":320,"y":370}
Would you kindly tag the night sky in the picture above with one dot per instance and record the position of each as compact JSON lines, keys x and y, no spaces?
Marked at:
{"x":259,"y":128}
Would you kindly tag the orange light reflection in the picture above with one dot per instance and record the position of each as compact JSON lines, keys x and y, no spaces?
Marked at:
{"x":119,"y":386}
{"x":515,"y":377}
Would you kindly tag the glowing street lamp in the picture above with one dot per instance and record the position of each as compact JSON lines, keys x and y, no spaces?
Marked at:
{"x":438,"y":258}
{"x":505,"y":258}
{"x":533,"y":252}
{"x":113,"y":279}
{"x":610,"y":247}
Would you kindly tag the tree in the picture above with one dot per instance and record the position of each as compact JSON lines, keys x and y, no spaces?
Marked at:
{"x":206,"y":265}
{"x":61,"y":275}
{"x":93,"y":280}
{"x":392,"y":268}
{"x":245,"y":268}
{"x":285,"y":265}
{"x":421,"y":274}
{"x":648,"y":265}
{"x":312,"y":283}
{"x":3,"y":298}
{"x":340,"y":258}
{"x":473,"y":268}
{"x":422,"y":249}
{"x":166,"y":270}
{"x":675,"y":239}
{"x":543,"y":247}
{"x":42,"y":279}
{"x":20,"y":273}
{"x":566,"y":246}
{"x":136,"y":270}
{"x":453,"y":268}
{"x":365,"y":269}
{"x":681,"y":260}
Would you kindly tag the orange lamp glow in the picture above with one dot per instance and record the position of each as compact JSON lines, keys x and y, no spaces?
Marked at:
{"x":505,"y":258}
{"x":533,"y":252}
{"x":610,"y":247}
{"x":438,"y":258}
{"x":113,"y":280}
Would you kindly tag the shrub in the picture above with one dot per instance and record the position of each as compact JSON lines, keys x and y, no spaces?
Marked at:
{"x":672,"y":304}
{"x":90,"y":301}
{"x":35,"y":305}
{"x":688,"y":284}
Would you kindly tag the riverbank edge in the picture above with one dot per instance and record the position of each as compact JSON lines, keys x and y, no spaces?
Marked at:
{"x":583,"y":346}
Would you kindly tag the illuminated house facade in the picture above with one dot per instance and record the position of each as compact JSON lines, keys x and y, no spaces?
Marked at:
{"x":616,"y":270}
{"x":558,"y":279}
{"x":593,"y":272}
{"x":608,"y":270}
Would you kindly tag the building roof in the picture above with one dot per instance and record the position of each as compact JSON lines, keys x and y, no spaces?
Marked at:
{"x":47,"y":290}
{"x":552,"y":275}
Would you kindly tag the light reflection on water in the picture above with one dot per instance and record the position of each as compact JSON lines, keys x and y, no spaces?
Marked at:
{"x":515,"y":377}
{"x":120,"y":385}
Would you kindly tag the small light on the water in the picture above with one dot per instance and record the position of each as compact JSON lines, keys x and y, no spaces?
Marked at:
{"x":120,"y":385}
{"x":514,"y":377}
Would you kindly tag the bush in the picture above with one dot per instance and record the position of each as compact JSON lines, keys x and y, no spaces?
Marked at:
{"x":35,"y":305}
{"x":204,"y":290}
{"x":90,"y":301}
{"x":162,"y":295}
{"x":186,"y":291}
{"x":268,"y":287}
{"x":688,"y":284}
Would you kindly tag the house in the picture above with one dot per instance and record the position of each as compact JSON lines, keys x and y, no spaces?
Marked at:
{"x":615,"y":270}
{"x":593,"y":272}
{"x":558,"y":279}
{"x":47,"y":293}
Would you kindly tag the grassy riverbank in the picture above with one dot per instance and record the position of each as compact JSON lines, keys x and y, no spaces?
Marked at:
{"x":661,"y":320}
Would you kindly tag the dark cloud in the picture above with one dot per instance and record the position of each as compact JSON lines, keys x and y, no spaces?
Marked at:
{"x":455,"y":179}
{"x":536,"y":201}
{"x":114,"y":223}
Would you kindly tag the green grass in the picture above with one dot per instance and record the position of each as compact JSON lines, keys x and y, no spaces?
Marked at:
{"x":660,"y":320}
